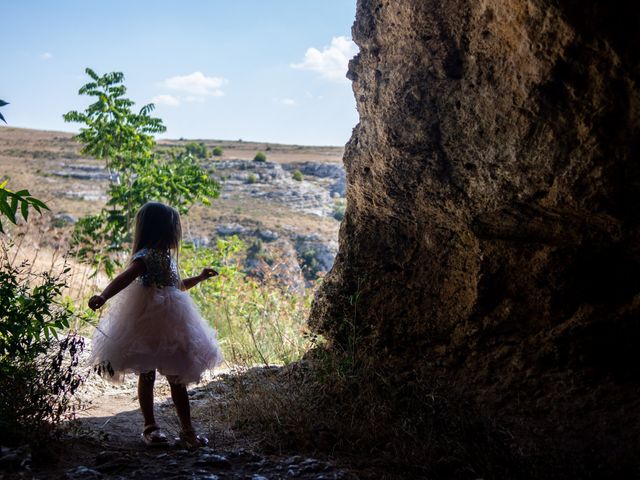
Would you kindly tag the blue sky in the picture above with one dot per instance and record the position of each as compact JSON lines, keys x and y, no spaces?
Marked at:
{"x":263,"y":70}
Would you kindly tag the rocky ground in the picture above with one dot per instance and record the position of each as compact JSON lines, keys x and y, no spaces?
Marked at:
{"x":105,"y":443}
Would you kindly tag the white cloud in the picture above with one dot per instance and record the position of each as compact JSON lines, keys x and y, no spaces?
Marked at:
{"x":332,"y":62}
{"x":311,"y":96}
{"x":46,"y":56}
{"x":193,"y":99}
{"x":196,"y":85}
{"x":166,"y":99}
{"x":289,"y":102}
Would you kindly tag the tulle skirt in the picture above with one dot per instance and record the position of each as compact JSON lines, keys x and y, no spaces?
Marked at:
{"x":149,"y":328}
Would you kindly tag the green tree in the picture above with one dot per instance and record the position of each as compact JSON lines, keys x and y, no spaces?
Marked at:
{"x":260,"y":157}
{"x":297,"y":175}
{"x":125,"y":140}
{"x":2,"y":104}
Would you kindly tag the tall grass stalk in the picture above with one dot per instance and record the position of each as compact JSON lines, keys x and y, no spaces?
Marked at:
{"x":259,"y":322}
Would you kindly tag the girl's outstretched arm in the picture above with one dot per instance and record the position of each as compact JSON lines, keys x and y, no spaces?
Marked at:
{"x":134,"y":270}
{"x":187,"y":283}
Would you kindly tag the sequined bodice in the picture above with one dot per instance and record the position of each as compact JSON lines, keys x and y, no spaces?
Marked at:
{"x":161,"y":268}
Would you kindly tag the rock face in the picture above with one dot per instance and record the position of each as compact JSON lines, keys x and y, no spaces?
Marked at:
{"x":272,"y":182}
{"x":493,"y":186}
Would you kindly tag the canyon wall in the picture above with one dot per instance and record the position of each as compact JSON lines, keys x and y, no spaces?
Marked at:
{"x":493,"y":186}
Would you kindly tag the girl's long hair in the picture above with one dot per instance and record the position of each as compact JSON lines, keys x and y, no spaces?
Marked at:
{"x":157,"y":226}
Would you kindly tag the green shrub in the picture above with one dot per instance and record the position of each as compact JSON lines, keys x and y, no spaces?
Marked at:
{"x":310,"y":264}
{"x":297,"y":175}
{"x":198,"y":150}
{"x":217,"y":151}
{"x":338,"y":210}
{"x":260,"y":157}
{"x":37,"y":370}
{"x":257,"y":251}
{"x":252,"y":178}
{"x":256,"y":247}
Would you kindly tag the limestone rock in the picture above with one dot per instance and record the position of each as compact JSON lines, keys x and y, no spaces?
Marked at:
{"x":493,"y":211}
{"x":82,"y":172}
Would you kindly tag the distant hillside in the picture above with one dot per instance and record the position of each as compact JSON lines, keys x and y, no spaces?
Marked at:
{"x":291,"y":221}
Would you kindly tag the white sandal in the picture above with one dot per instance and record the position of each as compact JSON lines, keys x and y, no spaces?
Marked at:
{"x":193,"y":441}
{"x":152,"y":436}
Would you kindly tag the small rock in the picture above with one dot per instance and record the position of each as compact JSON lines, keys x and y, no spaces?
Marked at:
{"x":231,"y":229}
{"x":246,"y":456}
{"x":267,"y":235}
{"x":311,"y":465}
{"x":15,"y":459}
{"x":64,"y":219}
{"x":338,"y":188}
{"x":82,"y":472}
{"x":199,"y":241}
{"x":213,"y":460}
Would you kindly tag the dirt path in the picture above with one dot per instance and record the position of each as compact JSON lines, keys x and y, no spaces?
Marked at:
{"x":105,"y":443}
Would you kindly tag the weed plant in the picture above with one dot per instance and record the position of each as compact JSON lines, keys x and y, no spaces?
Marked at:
{"x":259,"y":322}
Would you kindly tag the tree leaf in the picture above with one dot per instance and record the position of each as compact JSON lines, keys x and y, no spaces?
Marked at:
{"x":5,"y":208}
{"x":24,"y":207}
{"x":14,"y":207}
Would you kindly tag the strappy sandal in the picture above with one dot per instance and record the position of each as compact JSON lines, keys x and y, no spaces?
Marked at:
{"x":152,"y":436}
{"x":192,"y":441}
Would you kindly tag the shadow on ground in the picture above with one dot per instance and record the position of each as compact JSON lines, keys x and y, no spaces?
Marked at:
{"x":104,"y":442}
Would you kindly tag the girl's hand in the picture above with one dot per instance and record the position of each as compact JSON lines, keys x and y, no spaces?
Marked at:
{"x":96,"y":302}
{"x":208,"y":273}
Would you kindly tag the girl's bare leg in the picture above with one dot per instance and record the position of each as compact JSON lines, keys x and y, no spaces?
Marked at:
{"x":180,"y":399}
{"x":145,"y":396}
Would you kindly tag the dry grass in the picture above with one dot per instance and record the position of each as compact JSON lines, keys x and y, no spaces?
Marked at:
{"x":385,"y":425}
{"x":275,"y":152}
{"x":45,"y":248}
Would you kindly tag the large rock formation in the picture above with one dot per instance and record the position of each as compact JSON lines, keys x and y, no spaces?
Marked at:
{"x":492,"y":229}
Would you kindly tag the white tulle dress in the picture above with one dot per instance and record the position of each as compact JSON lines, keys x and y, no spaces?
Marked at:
{"x":153,"y":325}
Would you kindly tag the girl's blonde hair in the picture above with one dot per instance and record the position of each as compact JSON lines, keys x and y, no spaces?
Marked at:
{"x":157,"y":226}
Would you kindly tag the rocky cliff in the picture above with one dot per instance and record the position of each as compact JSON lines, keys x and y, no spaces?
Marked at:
{"x":493,"y":185}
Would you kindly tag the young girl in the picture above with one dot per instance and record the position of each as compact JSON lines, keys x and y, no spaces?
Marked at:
{"x":154,"y":324}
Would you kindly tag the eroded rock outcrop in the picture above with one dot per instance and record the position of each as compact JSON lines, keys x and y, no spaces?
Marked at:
{"x":493,"y":196}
